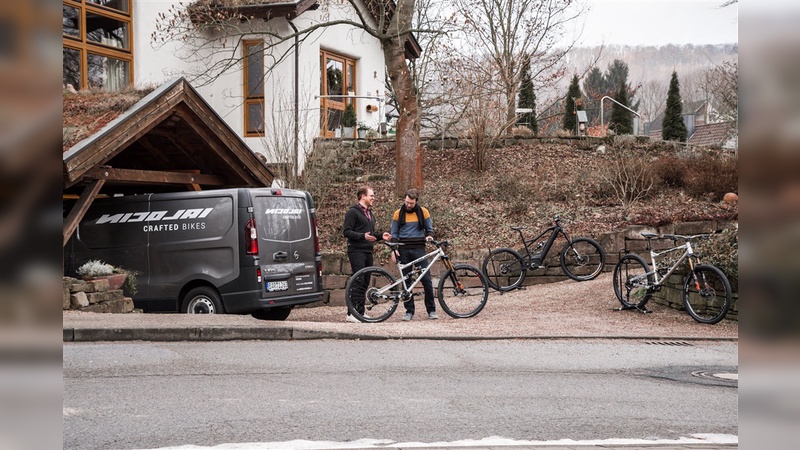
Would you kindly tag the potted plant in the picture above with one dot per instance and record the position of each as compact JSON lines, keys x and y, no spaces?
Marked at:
{"x":348,"y":120}
{"x":116,"y":276}
{"x":362,"y":130}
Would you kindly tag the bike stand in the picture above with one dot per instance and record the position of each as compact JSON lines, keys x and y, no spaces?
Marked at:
{"x":641,"y":310}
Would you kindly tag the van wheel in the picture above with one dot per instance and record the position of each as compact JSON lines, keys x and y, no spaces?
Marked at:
{"x":279,"y":313}
{"x":202,"y":300}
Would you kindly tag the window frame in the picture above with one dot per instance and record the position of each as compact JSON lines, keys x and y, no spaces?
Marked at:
{"x":84,"y":46}
{"x":335,"y":104}
{"x":253,"y":99}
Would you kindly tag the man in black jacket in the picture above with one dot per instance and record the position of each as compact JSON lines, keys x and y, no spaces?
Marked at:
{"x":359,"y":229}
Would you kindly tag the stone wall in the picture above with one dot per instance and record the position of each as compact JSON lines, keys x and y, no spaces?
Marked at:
{"x":94,"y":296}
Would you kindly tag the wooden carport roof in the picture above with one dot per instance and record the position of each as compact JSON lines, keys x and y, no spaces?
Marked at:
{"x":171,"y":140}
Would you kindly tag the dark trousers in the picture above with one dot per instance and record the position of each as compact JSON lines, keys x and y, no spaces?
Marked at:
{"x":358,"y":260}
{"x":406,"y":256}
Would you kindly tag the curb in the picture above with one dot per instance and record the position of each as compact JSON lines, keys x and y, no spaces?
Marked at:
{"x":209,"y":334}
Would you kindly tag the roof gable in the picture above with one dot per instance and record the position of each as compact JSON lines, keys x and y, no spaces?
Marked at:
{"x":169,"y":140}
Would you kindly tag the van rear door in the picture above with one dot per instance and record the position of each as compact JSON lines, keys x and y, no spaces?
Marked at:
{"x":286,"y":243}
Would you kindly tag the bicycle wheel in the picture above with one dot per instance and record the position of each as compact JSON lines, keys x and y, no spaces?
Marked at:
{"x":707,"y":294}
{"x":631,"y":282}
{"x":463,"y":291}
{"x":583,"y":259}
{"x":504,"y":269}
{"x":364,"y":299}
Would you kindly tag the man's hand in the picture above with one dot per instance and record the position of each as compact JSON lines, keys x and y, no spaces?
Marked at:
{"x":387,"y":236}
{"x":429,"y":238}
{"x":369,"y":237}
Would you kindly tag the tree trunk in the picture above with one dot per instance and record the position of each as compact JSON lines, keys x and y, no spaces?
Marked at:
{"x":409,"y":155}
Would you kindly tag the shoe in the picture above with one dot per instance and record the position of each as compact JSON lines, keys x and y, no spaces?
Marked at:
{"x":352,"y":318}
{"x":432,"y":315}
{"x":408,"y":317}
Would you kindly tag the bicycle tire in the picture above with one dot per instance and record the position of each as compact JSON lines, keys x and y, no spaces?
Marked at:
{"x":632,"y":295}
{"x":504,"y":269}
{"x":375,"y":308}
{"x":701,"y":294}
{"x":463,"y":291}
{"x":583,"y":259}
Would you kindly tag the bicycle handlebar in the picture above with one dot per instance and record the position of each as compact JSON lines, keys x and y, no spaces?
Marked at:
{"x":556,"y":220}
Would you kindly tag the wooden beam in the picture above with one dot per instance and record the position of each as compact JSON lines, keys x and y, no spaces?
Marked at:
{"x":76,"y":213}
{"x":154,"y":177}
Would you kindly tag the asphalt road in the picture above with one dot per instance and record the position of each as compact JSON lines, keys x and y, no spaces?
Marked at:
{"x":156,"y":395}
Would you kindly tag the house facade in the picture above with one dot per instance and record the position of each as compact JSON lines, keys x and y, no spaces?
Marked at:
{"x":278,"y":96}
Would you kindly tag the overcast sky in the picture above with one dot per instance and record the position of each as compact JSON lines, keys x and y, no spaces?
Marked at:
{"x":659,"y":22}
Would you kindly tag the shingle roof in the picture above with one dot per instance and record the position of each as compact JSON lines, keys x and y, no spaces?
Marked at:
{"x":712,"y":133}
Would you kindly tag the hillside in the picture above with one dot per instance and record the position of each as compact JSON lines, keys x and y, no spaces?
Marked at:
{"x":528,"y":183}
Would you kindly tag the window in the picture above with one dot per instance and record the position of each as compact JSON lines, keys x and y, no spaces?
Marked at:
{"x":97,"y":44}
{"x":338,"y":77}
{"x":253,"y":88}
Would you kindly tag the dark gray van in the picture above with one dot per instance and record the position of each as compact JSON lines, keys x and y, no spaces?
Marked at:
{"x":241,"y":251}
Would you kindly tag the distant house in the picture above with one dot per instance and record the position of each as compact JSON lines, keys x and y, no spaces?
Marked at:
{"x":107,"y":46}
{"x":699,"y":127}
{"x":721,"y":135}
{"x":694,"y":114}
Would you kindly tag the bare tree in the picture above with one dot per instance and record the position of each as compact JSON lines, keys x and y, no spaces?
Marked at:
{"x":653,"y":98}
{"x":723,"y":85}
{"x":506,"y":32}
{"x":209,"y":34}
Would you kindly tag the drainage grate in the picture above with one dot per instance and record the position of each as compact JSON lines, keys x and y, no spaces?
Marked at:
{"x":670,"y":343}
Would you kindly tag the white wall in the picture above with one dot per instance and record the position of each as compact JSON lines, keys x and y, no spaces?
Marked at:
{"x":153,"y":66}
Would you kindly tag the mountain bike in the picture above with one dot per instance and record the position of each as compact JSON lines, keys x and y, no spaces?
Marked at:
{"x":462,"y":289}
{"x":706,"y":289}
{"x":581,"y":258}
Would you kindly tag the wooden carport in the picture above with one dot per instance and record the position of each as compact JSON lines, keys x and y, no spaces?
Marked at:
{"x":171,"y":140}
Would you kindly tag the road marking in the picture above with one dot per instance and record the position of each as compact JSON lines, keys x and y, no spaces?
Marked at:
{"x":493,"y":441}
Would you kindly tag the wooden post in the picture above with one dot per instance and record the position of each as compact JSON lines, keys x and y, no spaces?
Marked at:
{"x":80,"y":208}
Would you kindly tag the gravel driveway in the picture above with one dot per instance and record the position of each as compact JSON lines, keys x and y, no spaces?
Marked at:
{"x":566,"y":308}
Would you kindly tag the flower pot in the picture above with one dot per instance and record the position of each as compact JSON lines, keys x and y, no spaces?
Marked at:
{"x":115,"y":281}
{"x":362,"y":133}
{"x":347,"y":132}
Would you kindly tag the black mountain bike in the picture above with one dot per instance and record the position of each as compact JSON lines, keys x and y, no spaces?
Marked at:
{"x":581,"y":258}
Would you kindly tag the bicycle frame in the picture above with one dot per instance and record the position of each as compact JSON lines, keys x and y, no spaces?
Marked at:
{"x":653,"y":263}
{"x":555,"y":230}
{"x":433,"y":256}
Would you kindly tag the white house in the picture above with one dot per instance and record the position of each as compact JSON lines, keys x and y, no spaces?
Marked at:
{"x":278,"y":99}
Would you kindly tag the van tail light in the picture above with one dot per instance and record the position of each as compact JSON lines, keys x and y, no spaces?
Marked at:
{"x":319,"y":270}
{"x":258,"y":275}
{"x":251,"y":237}
{"x":316,"y":234}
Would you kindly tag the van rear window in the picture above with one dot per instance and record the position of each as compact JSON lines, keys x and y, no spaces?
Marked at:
{"x":282,"y":219}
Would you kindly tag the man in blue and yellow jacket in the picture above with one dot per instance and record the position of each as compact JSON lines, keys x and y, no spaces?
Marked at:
{"x":412,"y":226}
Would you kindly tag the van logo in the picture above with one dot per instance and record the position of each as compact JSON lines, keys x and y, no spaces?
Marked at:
{"x":283,"y":211}
{"x":154,"y":216}
{"x":296,"y":255}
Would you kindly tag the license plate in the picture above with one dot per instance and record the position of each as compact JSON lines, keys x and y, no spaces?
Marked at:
{"x":273,"y":286}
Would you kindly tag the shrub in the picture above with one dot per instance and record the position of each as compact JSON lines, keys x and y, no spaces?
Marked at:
{"x":711,"y":175}
{"x":722,"y":250}
{"x":522,"y":131}
{"x":629,"y":177}
{"x":671,"y":170}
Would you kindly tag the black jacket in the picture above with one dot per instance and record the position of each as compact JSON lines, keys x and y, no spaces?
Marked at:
{"x":355,"y":225}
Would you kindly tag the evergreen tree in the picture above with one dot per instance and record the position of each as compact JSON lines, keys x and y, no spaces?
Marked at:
{"x":595,"y":88}
{"x":621,"y":118}
{"x":527,"y":99}
{"x":673,"y":128}
{"x":573,"y":93}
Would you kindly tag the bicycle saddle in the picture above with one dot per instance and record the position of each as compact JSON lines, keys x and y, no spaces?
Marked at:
{"x":649,"y":235}
{"x":393,"y":244}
